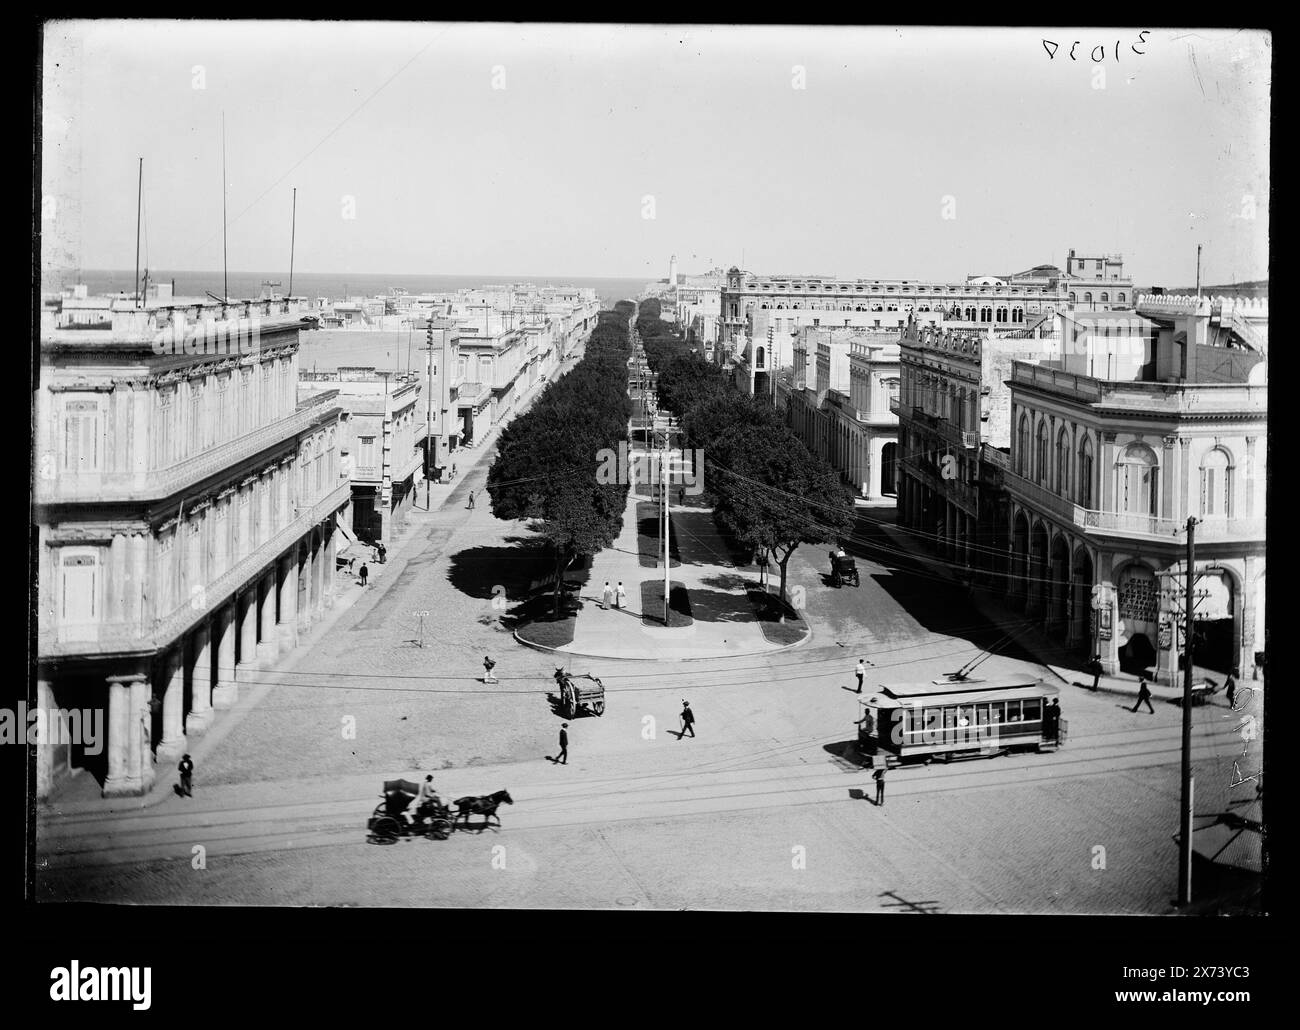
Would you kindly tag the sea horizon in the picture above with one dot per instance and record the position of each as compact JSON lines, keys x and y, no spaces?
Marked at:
{"x":336,"y":285}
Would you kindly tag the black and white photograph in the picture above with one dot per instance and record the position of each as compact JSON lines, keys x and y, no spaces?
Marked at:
{"x":650,"y":468}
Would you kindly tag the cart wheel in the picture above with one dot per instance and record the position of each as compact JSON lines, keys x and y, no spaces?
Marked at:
{"x":440,"y":829}
{"x":598,"y":707}
{"x":386,"y":830}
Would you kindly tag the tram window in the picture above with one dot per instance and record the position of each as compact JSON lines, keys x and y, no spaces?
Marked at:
{"x":1033,"y":709}
{"x":1013,"y":711}
{"x":949,"y":718}
{"x":963,"y":717}
{"x":982,"y":715}
{"x":995,"y":712}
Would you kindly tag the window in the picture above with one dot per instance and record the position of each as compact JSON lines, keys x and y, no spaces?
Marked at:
{"x":1216,"y":485}
{"x":1022,"y":448}
{"x":1040,"y":465}
{"x":1032,"y":709}
{"x":1105,"y":298}
{"x":1120,"y":298}
{"x":366,"y":451}
{"x":194,"y":413}
{"x":1073,"y":299}
{"x":78,"y":587}
{"x":1138,"y":480}
{"x":82,"y":437}
{"x":1063,"y":463}
{"x":1084,"y":492}
{"x":1087,"y":298}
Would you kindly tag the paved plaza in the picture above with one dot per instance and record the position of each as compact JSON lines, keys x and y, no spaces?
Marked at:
{"x":764,"y":810}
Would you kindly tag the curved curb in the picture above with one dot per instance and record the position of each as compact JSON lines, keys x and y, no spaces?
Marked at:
{"x":636,"y":658}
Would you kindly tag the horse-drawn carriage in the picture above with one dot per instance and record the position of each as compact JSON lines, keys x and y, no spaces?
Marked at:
{"x":843,"y":569}
{"x":390,"y":822}
{"x":575,"y":696}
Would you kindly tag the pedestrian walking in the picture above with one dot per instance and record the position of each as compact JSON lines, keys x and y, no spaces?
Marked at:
{"x":1144,"y":695}
{"x":1232,"y":689}
{"x":620,"y":596}
{"x":681,"y":495}
{"x":471,"y":500}
{"x":688,"y":721}
{"x":879,"y":777}
{"x":363,"y":574}
{"x":607,"y":596}
{"x":1095,"y":668}
{"x":860,"y":672}
{"x":186,"y":768}
{"x":453,"y":470}
{"x":563,"y":757}
{"x":488,"y":666}
{"x":383,"y":553}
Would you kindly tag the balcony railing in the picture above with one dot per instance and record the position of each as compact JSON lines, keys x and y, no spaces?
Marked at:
{"x":182,"y":474}
{"x":137,"y":638}
{"x":1128,"y":524}
{"x":1176,"y":399}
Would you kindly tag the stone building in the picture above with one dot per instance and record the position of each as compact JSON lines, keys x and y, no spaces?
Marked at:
{"x":839,"y":402}
{"x":1117,"y":442}
{"x":952,"y":427}
{"x":184,"y":506}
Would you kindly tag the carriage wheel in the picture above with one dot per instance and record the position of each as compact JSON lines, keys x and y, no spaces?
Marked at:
{"x":386,"y":830}
{"x":598,"y":707}
{"x":440,"y":829}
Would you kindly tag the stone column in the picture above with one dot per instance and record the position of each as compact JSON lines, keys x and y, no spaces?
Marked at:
{"x":327,"y":570}
{"x":1248,"y":499}
{"x":200,"y":681}
{"x":1106,"y":471}
{"x":287,"y":571}
{"x":171,"y":670}
{"x":247,"y":613}
{"x":317,"y":578}
{"x":268,"y":645}
{"x":303,"y":560}
{"x":226,"y":625}
{"x":45,"y":741}
{"x":130,"y":760}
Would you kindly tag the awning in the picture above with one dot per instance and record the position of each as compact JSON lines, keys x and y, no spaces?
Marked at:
{"x":349,"y":538}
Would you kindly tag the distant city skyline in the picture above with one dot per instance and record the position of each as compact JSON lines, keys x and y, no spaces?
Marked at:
{"x":449,"y":149}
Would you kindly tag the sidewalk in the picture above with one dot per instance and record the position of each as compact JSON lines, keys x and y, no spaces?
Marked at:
{"x":81,"y":793}
{"x":1029,"y":636}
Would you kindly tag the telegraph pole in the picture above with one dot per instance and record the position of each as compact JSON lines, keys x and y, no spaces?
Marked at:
{"x":1188,"y":785}
{"x":428,"y":418}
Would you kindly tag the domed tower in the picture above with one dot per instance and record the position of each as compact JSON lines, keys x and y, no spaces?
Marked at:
{"x":672,"y":270}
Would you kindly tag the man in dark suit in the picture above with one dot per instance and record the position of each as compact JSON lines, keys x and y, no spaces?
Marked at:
{"x":688,"y":720}
{"x":1144,"y":696}
{"x":563,"y":757}
{"x":879,"y":777}
{"x":186,"y":768}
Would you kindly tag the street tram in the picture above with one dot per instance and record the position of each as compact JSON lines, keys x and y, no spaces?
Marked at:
{"x":958,"y":718}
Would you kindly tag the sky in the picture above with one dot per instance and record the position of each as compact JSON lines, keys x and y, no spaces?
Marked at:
{"x":584,"y":150}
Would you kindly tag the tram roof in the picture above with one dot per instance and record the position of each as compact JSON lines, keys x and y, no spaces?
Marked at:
{"x":969,"y":691}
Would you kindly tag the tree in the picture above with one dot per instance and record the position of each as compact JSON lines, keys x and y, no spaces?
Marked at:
{"x":773,"y":494}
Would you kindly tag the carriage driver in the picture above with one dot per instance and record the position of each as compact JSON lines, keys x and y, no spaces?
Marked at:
{"x":428,"y":799}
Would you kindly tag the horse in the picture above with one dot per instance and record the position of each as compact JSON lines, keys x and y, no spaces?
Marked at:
{"x":484,"y":806}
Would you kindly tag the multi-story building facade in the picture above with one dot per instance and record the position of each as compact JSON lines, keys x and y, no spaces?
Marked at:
{"x":185,"y":506}
{"x":952,"y":428}
{"x":983,"y":301}
{"x":1117,"y":443}
{"x":839,"y":402}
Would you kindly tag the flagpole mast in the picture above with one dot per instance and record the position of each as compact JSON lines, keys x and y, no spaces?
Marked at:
{"x":139,"y":195}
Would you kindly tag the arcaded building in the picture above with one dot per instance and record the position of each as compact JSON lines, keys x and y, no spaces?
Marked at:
{"x":184,"y":504}
{"x":1136,"y":427}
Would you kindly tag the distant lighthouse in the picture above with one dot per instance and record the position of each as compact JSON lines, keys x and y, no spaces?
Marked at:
{"x":672,"y":270}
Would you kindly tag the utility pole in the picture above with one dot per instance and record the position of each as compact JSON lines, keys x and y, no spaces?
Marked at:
{"x":1198,"y":271}
{"x":139,"y":195}
{"x":663,"y":462}
{"x":428,"y":420}
{"x":1188,"y":785}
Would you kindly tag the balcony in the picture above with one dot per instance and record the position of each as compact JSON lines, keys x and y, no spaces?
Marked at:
{"x":1126,"y":525}
{"x":1174,"y":399}
{"x":157,"y":484}
{"x":137,"y":638}
{"x":964,"y":494}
